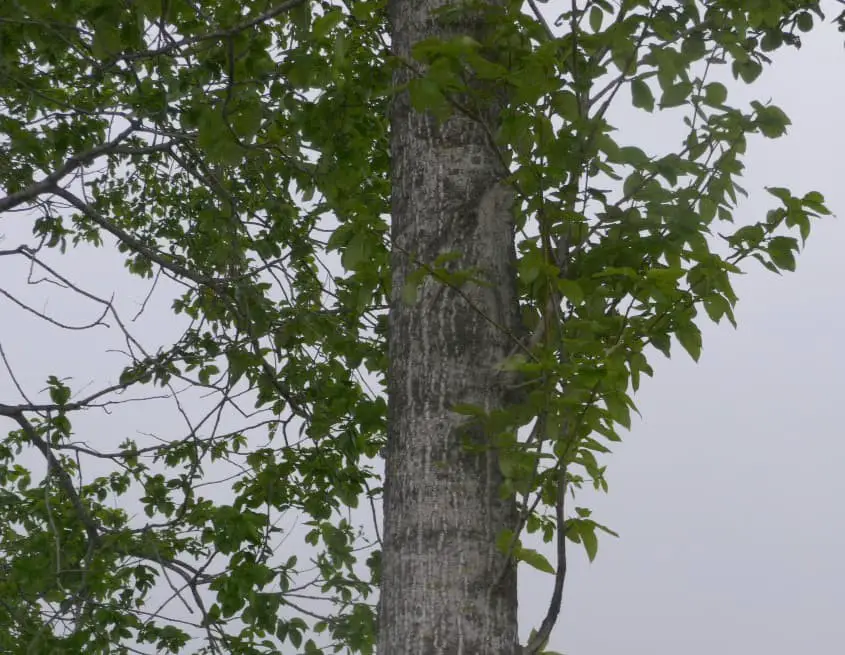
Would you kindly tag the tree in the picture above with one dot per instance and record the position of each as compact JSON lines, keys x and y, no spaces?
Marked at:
{"x":443,"y":502}
{"x":286,"y":173}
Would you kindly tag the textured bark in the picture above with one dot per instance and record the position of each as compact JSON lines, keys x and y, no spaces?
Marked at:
{"x":442,"y":509}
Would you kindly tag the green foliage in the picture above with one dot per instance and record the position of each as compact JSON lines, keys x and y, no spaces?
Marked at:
{"x":233,"y":146}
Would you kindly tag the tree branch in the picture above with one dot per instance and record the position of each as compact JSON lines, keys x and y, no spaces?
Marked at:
{"x":136,"y":244}
{"x":536,"y":644}
{"x":65,"y":482}
{"x":74,"y":162}
{"x":219,"y":33}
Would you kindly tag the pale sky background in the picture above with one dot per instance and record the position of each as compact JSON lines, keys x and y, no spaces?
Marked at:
{"x":727,"y":495}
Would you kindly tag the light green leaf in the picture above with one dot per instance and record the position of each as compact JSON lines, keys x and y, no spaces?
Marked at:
{"x":427,"y":96}
{"x":505,"y":541}
{"x":571,"y":290}
{"x":326,"y":23}
{"x":618,"y":409}
{"x":565,"y":103}
{"x":534,"y":559}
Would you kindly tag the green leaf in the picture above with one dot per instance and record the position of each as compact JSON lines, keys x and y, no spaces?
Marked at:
{"x":326,"y":23}
{"x":804,"y":21}
{"x":662,"y":342}
{"x":780,"y":193}
{"x":596,"y":17}
{"x":771,"y":40}
{"x":715,"y":94}
{"x":772,"y":121}
{"x":571,"y":290}
{"x":469,"y":410}
{"x":641,"y":95}
{"x":505,"y":541}
{"x":534,"y":559}
{"x":781,"y":249}
{"x":716,"y":307}
{"x":694,"y":46}
{"x":632,"y":156}
{"x":107,"y":39}
{"x":633,"y":183}
{"x":748,"y":70}
{"x":589,"y":539}
{"x":59,"y":392}
{"x":815,"y":202}
{"x":565,"y":103}
{"x":689,"y":336}
{"x":357,"y":252}
{"x":530,"y":267}
{"x":515,"y":362}
{"x":676,"y":95}
{"x":427,"y":96}
{"x":618,"y":409}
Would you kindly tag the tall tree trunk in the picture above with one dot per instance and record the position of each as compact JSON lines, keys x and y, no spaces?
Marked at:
{"x":442,"y":507}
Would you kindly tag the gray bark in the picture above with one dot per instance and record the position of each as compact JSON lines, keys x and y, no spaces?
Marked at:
{"x":442,"y":504}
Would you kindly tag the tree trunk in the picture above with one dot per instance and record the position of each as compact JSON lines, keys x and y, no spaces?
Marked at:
{"x":442,"y":504}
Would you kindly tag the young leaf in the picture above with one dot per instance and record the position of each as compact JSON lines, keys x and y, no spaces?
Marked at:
{"x":534,"y":559}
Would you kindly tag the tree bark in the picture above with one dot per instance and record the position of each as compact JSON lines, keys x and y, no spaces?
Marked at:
{"x":442,"y":503}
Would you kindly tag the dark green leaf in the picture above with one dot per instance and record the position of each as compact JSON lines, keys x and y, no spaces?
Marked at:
{"x":715,"y":94}
{"x":676,"y":95}
{"x":641,"y":95}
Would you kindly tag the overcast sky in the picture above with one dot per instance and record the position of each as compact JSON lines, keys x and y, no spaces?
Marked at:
{"x":727,"y":495}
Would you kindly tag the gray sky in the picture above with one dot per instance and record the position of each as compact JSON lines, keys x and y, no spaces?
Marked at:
{"x":727,"y":495}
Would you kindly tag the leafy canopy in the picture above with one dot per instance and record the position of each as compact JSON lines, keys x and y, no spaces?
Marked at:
{"x":235,"y":152}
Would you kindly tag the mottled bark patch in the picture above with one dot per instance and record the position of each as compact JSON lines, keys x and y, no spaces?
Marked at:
{"x":443,"y":509}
